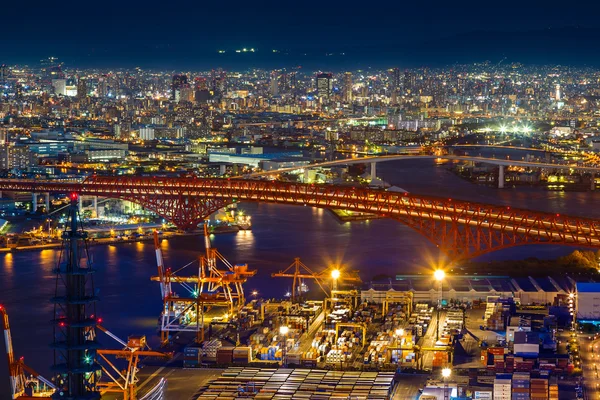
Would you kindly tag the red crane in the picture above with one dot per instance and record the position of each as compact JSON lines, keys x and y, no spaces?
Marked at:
{"x":25,"y":383}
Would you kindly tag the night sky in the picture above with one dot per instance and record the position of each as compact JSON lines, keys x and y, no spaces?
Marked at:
{"x":332,"y":35}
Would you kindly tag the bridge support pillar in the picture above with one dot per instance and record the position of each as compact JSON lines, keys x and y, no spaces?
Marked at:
{"x":47,"y":203}
{"x":501,"y":177}
{"x":592,"y":183}
{"x":34,"y":202}
{"x":373,"y":171}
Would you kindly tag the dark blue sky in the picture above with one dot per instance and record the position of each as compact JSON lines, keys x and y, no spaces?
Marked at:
{"x":182,"y":35}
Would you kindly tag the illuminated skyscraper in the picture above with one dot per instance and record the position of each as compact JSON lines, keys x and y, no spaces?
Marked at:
{"x":102,"y":86}
{"x":557,"y":93}
{"x":59,"y":86}
{"x":3,"y":74}
{"x":178,"y":83}
{"x":274,"y":84}
{"x":394,"y":79}
{"x":348,"y":87}
{"x":324,"y":86}
{"x":409,"y":81}
{"x":82,"y":89}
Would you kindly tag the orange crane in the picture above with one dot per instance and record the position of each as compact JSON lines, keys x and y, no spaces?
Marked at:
{"x":123,"y":380}
{"x":298,"y":271}
{"x":25,"y":383}
{"x":209,"y":287}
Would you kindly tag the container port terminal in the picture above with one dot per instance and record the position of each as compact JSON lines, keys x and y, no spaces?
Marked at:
{"x":435,"y":336}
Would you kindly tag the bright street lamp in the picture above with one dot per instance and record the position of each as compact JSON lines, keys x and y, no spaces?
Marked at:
{"x":446,"y":372}
{"x":335,"y":275}
{"x":283,"y":330}
{"x":439,"y":276}
{"x":399,"y":332}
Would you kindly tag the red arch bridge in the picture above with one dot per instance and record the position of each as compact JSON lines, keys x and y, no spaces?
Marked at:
{"x":461,"y":229}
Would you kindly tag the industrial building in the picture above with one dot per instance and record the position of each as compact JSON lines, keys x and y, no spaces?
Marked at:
{"x":425,"y":288}
{"x":588,"y":301}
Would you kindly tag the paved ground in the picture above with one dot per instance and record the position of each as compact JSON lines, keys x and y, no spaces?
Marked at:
{"x":471,"y":356}
{"x":590,"y":360}
{"x":182,"y":384}
{"x":408,"y":387}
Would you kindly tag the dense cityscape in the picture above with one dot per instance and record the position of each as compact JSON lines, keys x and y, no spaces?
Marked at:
{"x":146,"y":171}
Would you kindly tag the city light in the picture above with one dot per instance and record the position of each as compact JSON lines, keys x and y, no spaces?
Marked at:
{"x":141,"y":155}
{"x":439,"y":274}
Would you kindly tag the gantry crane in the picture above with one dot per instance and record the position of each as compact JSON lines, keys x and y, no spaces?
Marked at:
{"x":123,"y":380}
{"x":25,"y":383}
{"x":298,"y":271}
{"x":210,"y":287}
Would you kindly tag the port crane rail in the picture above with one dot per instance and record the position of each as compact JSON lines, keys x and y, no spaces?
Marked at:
{"x":211,"y":286}
{"x":22,"y":377}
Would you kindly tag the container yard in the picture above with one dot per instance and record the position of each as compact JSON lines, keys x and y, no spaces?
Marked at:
{"x":285,"y":349}
{"x":271,"y":383}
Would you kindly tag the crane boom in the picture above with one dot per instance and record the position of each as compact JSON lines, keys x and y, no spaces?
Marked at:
{"x":164,"y":290}
{"x":14,"y":390}
{"x":17,"y":368}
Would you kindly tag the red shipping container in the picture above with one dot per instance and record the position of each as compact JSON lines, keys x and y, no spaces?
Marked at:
{"x":497,"y":351}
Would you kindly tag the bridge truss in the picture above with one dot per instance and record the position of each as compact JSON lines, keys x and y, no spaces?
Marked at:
{"x":460,"y":229}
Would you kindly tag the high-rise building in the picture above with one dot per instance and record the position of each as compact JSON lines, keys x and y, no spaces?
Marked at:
{"x":3,"y":74}
{"x":324,"y":86}
{"x":82,"y":88}
{"x":178,"y":83}
{"x":59,"y":86}
{"x":146,"y":133}
{"x":102,"y":86}
{"x":274,"y":84}
{"x":200,"y":83}
{"x":409,"y":81}
{"x":394,"y":79}
{"x":557,"y":92}
{"x":348,"y":87}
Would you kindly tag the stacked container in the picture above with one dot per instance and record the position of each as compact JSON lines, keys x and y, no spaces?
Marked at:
{"x":440,"y":359}
{"x":502,"y":387}
{"x":209,"y":350}
{"x":553,"y":391}
{"x":521,"y":386}
{"x":191,"y":357}
{"x":225,"y":355}
{"x":539,"y":389}
{"x":242,"y":355}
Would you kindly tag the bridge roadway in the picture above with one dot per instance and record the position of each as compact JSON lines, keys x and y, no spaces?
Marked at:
{"x":459,"y":228}
{"x":396,"y":157}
